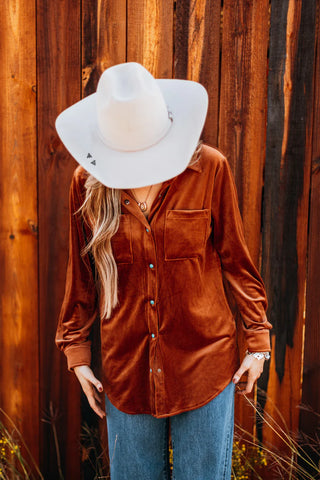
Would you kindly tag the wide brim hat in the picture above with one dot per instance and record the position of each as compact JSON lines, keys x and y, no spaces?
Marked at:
{"x":135,"y":130}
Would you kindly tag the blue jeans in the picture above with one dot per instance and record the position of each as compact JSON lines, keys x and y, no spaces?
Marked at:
{"x":201,"y":442}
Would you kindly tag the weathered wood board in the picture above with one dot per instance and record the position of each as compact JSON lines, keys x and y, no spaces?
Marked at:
{"x":58,"y":86}
{"x":19,"y":332}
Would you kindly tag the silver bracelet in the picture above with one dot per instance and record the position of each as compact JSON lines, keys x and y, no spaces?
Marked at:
{"x":259,"y":355}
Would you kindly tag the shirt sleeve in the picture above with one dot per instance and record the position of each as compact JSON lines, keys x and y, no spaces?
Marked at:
{"x":238,"y":268}
{"x":79,"y":308}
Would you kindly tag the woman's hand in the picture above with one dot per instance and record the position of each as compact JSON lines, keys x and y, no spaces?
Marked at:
{"x":254,"y":367}
{"x":91,"y":386}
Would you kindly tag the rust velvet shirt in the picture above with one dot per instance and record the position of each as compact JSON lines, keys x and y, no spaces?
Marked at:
{"x":170,"y":345}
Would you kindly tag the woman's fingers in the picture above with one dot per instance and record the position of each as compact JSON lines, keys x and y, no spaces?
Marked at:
{"x":245,"y":365}
{"x":90,"y":384}
{"x":96,"y":395}
{"x":254,"y":367}
{"x":238,"y":374}
{"x":94,"y":404}
{"x":89,"y":375}
{"x":249,"y":385}
{"x":93,"y":399}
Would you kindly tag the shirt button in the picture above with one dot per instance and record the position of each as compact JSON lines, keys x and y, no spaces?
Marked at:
{"x":151,"y":265}
{"x":152,"y":302}
{"x":152,"y":335}
{"x":150,"y":370}
{"x":127,"y":201}
{"x":159,"y":370}
{"x":147,"y":230}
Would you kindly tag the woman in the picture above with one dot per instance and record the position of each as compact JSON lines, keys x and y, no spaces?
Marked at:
{"x":154,"y":228}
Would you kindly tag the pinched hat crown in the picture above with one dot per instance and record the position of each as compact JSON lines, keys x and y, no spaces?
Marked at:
{"x":132,"y":113}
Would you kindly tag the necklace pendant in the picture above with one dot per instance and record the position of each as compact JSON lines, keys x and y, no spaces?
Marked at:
{"x":143,"y":206}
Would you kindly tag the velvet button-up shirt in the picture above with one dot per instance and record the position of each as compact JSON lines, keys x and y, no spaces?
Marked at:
{"x":170,"y":344}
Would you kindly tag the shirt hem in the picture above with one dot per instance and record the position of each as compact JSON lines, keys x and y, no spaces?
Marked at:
{"x":176,"y":412}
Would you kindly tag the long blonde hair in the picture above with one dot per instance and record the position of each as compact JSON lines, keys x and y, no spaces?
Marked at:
{"x":101,"y":210}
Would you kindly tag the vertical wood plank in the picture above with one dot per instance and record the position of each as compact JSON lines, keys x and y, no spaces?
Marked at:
{"x":242,"y":113}
{"x":59,"y":85}
{"x":197,"y":53}
{"x":19,"y":375}
{"x":103,"y":39}
{"x":311,"y":364}
{"x":287,"y":182}
{"x":243,"y":106}
{"x":103,"y":45}
{"x":150,"y":35}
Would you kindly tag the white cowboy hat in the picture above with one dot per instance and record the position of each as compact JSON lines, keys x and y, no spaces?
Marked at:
{"x":135,"y":130}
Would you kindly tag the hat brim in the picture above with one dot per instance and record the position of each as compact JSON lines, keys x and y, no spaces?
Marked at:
{"x":78,"y":130}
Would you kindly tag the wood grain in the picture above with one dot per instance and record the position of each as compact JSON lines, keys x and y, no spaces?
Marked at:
{"x":59,"y":85}
{"x":150,"y":35}
{"x":287,"y":183}
{"x":243,"y":106}
{"x":19,"y":335}
{"x":103,"y":39}
{"x":197,"y":53}
{"x":103,"y":45}
{"x":242,"y":112}
{"x":311,"y":362}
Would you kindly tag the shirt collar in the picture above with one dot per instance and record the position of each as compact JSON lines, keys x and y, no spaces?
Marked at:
{"x":196,"y":166}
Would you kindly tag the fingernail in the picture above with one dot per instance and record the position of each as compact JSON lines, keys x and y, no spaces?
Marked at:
{"x":235,"y":379}
{"x":100,"y":388}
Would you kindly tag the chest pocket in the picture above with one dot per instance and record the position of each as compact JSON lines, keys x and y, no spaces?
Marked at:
{"x":186,"y":232}
{"x":121,"y":242}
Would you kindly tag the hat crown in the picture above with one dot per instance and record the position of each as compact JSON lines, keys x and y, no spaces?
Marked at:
{"x":131,"y":110}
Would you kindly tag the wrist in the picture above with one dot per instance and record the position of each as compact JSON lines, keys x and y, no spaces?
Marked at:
{"x":259,"y":355}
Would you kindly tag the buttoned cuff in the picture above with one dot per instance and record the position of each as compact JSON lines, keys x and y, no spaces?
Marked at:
{"x":78,"y":355}
{"x":258,"y":341}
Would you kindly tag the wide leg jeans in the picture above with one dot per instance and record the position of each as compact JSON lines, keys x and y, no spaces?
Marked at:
{"x":201,"y":442}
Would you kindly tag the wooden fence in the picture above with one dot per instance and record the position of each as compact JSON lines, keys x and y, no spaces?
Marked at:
{"x":259,"y":61}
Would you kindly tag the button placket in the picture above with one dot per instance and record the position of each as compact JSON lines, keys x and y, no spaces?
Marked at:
{"x":158,"y":377}
{"x":151,"y":279}
{"x":155,"y":360}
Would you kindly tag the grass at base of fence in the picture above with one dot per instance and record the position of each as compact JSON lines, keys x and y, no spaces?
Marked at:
{"x":12,"y":462}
